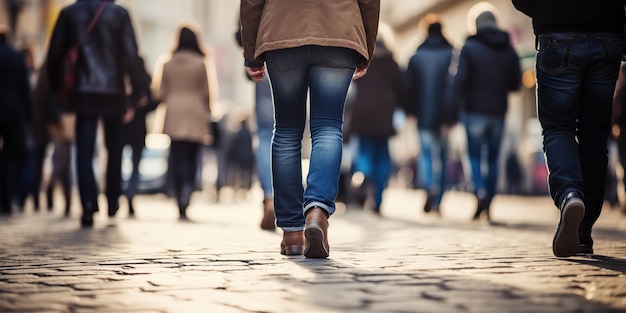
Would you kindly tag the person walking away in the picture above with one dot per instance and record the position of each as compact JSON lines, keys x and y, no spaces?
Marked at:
{"x":135,"y":131}
{"x":15,"y":116}
{"x":30,"y":171}
{"x":100,"y":92}
{"x":488,"y":70}
{"x":377,"y":96}
{"x":60,"y":131}
{"x":317,"y":51}
{"x":429,"y":84}
{"x":578,"y":59}
{"x":186,"y":83}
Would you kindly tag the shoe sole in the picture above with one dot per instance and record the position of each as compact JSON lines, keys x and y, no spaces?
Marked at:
{"x":565,"y":242}
{"x":314,"y":247}
{"x":292,"y":250}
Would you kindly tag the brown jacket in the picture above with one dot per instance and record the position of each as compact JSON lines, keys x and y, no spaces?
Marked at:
{"x":277,"y":24}
{"x":186,"y":83}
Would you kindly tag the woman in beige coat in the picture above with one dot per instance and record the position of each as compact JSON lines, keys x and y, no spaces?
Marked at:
{"x":187,"y":85}
{"x":310,"y":47}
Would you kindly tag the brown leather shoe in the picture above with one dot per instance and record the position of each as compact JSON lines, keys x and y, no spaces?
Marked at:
{"x":267,"y":223}
{"x":315,"y":233}
{"x":293,"y":243}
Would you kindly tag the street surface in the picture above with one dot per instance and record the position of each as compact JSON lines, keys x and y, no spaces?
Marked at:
{"x":221,"y":261}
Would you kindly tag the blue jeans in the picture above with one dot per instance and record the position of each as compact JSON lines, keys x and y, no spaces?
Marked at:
{"x":264,"y":112}
{"x":484,"y":138}
{"x":374,"y":161}
{"x":432,"y":162}
{"x":325,"y":73}
{"x":576,"y":75}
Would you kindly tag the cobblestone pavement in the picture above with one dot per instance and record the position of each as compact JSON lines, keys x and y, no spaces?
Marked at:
{"x":221,"y":261}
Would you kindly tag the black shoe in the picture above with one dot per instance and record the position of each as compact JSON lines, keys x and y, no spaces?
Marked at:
{"x":566,"y":242}
{"x":585,"y":245}
{"x":113,"y":208}
{"x":87,"y":219}
{"x":428,"y":205}
{"x":584,"y":248}
{"x":131,"y":210}
{"x":481,"y":206}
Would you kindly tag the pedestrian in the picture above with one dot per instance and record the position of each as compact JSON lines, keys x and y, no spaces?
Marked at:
{"x":264,"y":118}
{"x":107,"y":48}
{"x":135,"y":131}
{"x":578,"y":58}
{"x":488,"y":70}
{"x":619,"y":126}
{"x":29,"y":170}
{"x":15,"y":116}
{"x":429,"y":80}
{"x":186,"y":83}
{"x":316,"y":51}
{"x":376,"y":98}
{"x":60,"y":131}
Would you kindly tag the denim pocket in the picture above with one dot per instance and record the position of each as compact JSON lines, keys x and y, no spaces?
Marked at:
{"x":340,"y":57}
{"x":281,"y":59}
{"x":612,"y":46}
{"x":554,"y":53}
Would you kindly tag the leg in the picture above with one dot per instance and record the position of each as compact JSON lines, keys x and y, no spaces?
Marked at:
{"x":113,"y":142}
{"x":382,"y":172}
{"x":289,"y":83}
{"x":594,"y":127}
{"x":86,"y":128}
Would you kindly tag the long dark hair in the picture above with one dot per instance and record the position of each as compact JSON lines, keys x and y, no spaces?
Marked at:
{"x":188,"y":41}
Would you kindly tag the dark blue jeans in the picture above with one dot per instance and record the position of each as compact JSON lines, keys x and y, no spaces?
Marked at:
{"x":323,"y":73}
{"x":576,"y":75}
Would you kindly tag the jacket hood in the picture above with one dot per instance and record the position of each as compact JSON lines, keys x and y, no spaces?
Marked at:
{"x":493,"y":37}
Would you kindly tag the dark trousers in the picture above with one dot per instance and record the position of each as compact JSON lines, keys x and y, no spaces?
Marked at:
{"x":10,"y":155}
{"x":576,"y":75}
{"x":184,"y":167}
{"x":86,"y":129}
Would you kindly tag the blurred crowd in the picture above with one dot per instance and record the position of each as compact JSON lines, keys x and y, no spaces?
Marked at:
{"x":456,"y":97}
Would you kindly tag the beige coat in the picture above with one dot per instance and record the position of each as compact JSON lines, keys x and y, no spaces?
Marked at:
{"x":186,"y":83}
{"x":277,"y":24}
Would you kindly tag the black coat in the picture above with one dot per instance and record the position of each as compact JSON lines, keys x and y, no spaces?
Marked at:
{"x":15,"y":97}
{"x":488,"y":70}
{"x":375,"y":98}
{"x":106,"y":55}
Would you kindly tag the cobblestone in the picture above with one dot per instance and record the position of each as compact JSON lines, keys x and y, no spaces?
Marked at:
{"x":221,"y":261}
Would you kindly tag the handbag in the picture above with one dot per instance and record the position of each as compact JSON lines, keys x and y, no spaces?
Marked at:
{"x":70,"y":60}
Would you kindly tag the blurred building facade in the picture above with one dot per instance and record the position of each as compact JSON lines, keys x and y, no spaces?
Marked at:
{"x":157,"y":21}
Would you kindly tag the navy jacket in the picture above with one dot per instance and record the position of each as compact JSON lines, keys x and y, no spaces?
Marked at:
{"x":488,"y":70}
{"x":428,"y":75}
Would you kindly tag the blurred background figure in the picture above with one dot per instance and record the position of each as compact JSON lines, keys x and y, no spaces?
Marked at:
{"x":488,"y":70}
{"x":619,"y":125}
{"x":28,"y":169}
{"x":135,"y":131}
{"x":106,"y":52}
{"x":264,"y":122}
{"x":429,"y":84}
{"x":235,"y":152}
{"x":186,"y":84}
{"x":59,"y":127}
{"x":15,"y":116}
{"x":375,"y":98}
